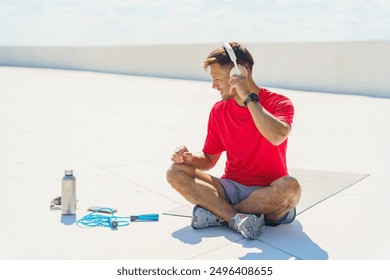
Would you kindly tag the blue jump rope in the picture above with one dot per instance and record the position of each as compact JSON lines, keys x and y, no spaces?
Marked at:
{"x":95,"y":219}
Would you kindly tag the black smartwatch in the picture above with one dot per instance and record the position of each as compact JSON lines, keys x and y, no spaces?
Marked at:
{"x":251,"y":97}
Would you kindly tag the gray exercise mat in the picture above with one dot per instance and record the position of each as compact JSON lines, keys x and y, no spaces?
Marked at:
{"x":316,"y":186}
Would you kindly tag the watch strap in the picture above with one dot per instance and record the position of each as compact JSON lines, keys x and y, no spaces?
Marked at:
{"x":251,"y":97}
{"x":247,"y":100}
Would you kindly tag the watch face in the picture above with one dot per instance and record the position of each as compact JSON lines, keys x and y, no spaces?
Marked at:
{"x":254,"y":97}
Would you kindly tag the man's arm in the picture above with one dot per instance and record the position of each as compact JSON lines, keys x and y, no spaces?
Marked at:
{"x":200,"y":161}
{"x":273,"y":129}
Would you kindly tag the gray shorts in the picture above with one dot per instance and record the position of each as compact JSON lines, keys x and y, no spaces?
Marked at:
{"x":236,"y":192}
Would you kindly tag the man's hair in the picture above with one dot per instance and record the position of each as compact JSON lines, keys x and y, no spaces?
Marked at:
{"x":221,"y":57}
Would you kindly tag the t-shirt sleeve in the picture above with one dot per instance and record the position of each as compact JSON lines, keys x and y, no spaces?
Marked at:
{"x":213,"y":143}
{"x":284,"y":111}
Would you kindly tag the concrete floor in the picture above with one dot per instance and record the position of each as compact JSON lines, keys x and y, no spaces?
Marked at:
{"x":117,"y":133}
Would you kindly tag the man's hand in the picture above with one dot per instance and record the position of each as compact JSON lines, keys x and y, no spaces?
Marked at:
{"x":239,"y":85}
{"x":181,"y":155}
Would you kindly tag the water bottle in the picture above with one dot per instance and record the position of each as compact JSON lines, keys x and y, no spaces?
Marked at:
{"x":68,"y":198}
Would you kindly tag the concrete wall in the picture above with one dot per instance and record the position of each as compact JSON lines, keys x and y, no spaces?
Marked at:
{"x":341,"y":67}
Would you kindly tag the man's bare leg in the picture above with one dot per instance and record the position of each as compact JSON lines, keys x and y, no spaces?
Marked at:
{"x":274,"y":201}
{"x":200,"y":188}
{"x":205,"y":190}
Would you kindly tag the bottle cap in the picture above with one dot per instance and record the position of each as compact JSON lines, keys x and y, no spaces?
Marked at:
{"x":68,"y":172}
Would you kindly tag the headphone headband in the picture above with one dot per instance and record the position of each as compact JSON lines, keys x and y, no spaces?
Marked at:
{"x":235,"y":70}
{"x":231,"y":53}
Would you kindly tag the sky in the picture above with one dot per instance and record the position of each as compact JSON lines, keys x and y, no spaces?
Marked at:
{"x":151,"y":22}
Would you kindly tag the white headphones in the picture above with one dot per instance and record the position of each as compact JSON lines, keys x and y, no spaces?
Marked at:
{"x":235,"y":70}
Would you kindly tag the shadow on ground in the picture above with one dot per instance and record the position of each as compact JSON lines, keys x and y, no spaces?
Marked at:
{"x":295,"y":243}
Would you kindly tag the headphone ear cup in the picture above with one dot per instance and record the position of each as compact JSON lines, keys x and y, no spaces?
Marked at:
{"x":235,"y":71}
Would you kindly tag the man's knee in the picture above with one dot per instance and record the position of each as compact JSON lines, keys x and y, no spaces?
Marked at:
{"x":292,"y":189}
{"x":292,"y":184}
{"x":177,"y":172}
{"x":172,"y":173}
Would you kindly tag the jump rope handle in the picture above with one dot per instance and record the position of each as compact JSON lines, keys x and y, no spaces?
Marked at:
{"x":145,"y":217}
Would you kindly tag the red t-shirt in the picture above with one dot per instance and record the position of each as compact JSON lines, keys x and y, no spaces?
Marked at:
{"x":251,"y":159}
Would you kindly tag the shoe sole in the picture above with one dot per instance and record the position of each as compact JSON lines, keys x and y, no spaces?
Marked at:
{"x":193,"y":220}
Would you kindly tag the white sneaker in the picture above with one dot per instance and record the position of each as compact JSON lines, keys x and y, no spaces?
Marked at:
{"x":202,"y":218}
{"x":249,"y":225}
